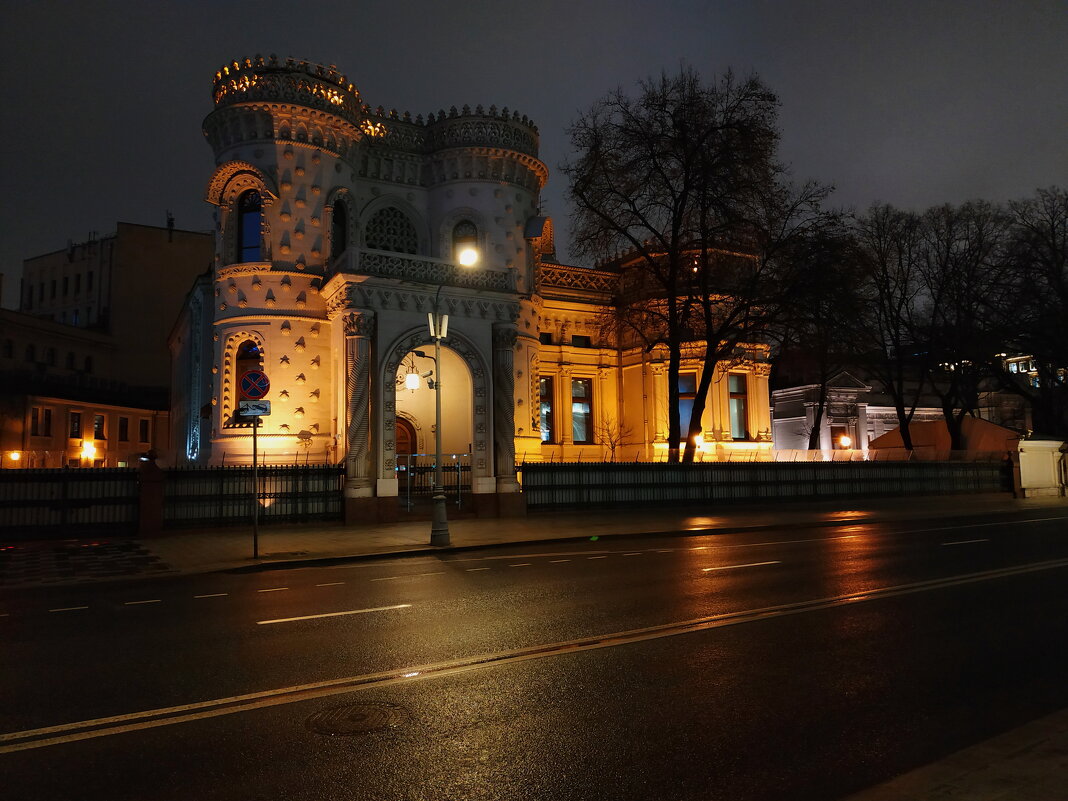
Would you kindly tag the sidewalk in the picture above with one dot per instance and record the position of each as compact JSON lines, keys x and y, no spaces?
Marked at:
{"x":78,"y":561}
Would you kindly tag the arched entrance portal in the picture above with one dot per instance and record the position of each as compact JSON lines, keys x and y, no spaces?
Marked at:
{"x":415,"y":422}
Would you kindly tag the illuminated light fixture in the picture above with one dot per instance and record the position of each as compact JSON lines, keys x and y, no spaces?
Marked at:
{"x":411,"y":381}
{"x":468,"y":256}
{"x":14,"y":456}
{"x":88,"y":449}
{"x":845,"y":440}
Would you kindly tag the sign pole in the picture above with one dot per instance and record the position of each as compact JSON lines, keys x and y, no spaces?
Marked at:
{"x":255,"y":493}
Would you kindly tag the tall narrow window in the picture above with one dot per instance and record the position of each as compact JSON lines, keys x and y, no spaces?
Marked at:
{"x":124,"y":429}
{"x":545,"y":408}
{"x":738,"y":406}
{"x":75,"y":427}
{"x":339,"y":229}
{"x":98,"y":426}
{"x":249,"y":357}
{"x":142,"y":430}
{"x":465,"y":243}
{"x":687,"y":395}
{"x":249,"y":224}
{"x":40,"y":422}
{"x":582,"y":410}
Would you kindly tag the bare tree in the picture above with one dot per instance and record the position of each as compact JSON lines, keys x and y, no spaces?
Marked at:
{"x":683,"y":182}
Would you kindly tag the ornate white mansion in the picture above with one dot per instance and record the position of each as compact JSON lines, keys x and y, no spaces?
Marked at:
{"x":338,"y":229}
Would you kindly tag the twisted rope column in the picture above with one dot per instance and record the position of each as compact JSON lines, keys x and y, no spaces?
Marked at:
{"x":358,"y":330}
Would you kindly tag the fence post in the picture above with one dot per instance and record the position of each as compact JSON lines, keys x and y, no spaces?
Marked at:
{"x":150,"y":499}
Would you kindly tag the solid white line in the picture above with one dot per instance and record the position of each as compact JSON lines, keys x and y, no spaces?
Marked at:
{"x":136,"y":603}
{"x":731,"y":567}
{"x":476,"y":569}
{"x":152,"y":718}
{"x":332,"y":614}
{"x":274,"y":589}
{"x":330,"y":584}
{"x":212,"y":595}
{"x":558,"y":561}
{"x":68,"y":608}
{"x":964,"y":542}
{"x":521,"y":564}
{"x":596,"y":557}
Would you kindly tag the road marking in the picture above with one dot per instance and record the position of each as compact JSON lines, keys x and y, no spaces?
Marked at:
{"x":4,"y":614}
{"x":964,"y":542}
{"x":732,"y":567}
{"x":664,"y":550}
{"x":521,"y":564}
{"x":273,"y":589}
{"x":153,"y":718}
{"x":558,"y":561}
{"x":386,"y":578}
{"x":330,"y":584}
{"x":438,"y":573}
{"x":596,"y":557}
{"x":212,"y":595}
{"x":701,"y":548}
{"x":137,"y":603}
{"x":476,"y":569}
{"x":332,"y":614}
{"x":68,"y":608}
{"x":635,"y":553}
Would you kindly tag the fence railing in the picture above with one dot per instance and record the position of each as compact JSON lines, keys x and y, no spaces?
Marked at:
{"x":618,"y":483}
{"x":223,"y":495}
{"x":415,"y":478}
{"x":50,"y":502}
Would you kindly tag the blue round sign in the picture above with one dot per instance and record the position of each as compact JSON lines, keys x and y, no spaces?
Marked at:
{"x":254,"y":385}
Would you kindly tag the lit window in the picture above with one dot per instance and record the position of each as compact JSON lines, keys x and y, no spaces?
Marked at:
{"x":465,"y":243}
{"x":249,"y":225}
{"x":582,"y":410}
{"x":687,"y":394}
{"x":738,"y":406}
{"x":545,"y":408}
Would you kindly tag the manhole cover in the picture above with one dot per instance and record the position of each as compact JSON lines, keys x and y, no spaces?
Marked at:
{"x":356,"y":719}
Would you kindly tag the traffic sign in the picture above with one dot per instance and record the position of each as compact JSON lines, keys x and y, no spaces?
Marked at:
{"x":254,"y":385}
{"x":254,"y":408}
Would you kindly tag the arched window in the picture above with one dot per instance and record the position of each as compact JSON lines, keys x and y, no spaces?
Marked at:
{"x":249,"y":357}
{"x":249,"y":226}
{"x":390,"y":229}
{"x":339,"y":229}
{"x":465,"y":243}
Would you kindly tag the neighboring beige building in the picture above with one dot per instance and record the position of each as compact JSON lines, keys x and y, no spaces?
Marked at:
{"x":339,"y":228}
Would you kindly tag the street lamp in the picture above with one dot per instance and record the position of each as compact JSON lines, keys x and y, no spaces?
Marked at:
{"x":439,"y":525}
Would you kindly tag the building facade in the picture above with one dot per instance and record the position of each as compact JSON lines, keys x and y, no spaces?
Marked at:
{"x":338,"y":230}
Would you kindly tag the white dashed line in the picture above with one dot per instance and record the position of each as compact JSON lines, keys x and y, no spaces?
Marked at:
{"x":212,"y":595}
{"x":387,"y":578}
{"x":68,"y":608}
{"x":330,"y":584}
{"x":521,"y":564}
{"x":274,"y":589}
{"x":476,"y":569}
{"x":732,"y":567}
{"x":635,"y":553}
{"x":596,"y":557}
{"x":702,"y":548}
{"x":558,"y":561}
{"x":138,"y":603}
{"x":964,"y":542}
{"x":332,"y":614}
{"x":438,"y":573}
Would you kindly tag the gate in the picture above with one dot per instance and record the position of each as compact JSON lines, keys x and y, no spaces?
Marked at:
{"x":415,"y":479}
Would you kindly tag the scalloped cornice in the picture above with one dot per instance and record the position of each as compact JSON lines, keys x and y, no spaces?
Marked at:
{"x":231,"y":171}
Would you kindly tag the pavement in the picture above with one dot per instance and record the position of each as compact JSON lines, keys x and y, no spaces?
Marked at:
{"x":1026,"y":764}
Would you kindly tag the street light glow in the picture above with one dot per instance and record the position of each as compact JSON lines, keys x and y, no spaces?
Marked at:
{"x":467,"y":257}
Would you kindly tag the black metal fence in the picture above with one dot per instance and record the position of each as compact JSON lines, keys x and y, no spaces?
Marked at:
{"x":223,"y":495}
{"x":415,"y":478}
{"x":617,"y":483}
{"x":67,"y":502}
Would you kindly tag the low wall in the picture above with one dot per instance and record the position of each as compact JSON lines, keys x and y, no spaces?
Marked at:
{"x":1041,"y":468}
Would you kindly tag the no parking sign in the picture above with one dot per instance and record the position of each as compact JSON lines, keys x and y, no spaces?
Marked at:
{"x":254,"y":385}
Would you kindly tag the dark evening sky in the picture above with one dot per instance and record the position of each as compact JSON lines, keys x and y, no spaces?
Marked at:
{"x":912,"y":103}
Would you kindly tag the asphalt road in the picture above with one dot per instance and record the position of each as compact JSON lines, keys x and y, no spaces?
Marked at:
{"x":804,"y":663}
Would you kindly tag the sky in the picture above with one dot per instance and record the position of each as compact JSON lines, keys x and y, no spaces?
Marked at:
{"x":910,"y":103}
